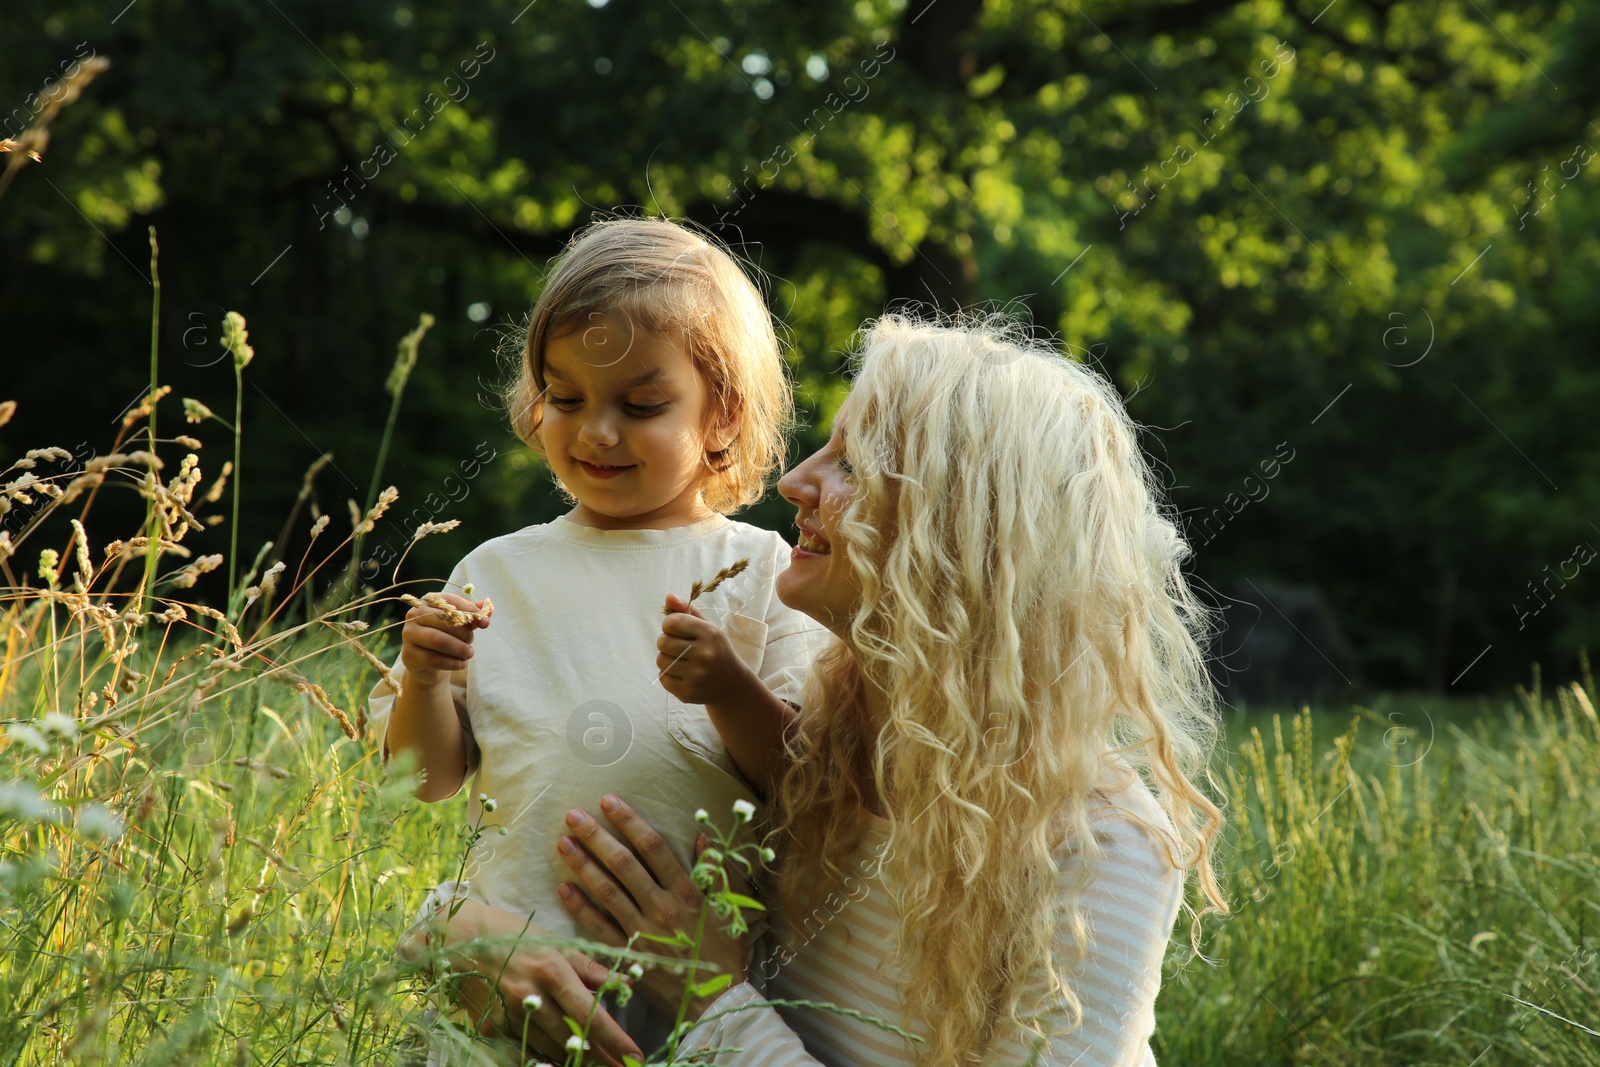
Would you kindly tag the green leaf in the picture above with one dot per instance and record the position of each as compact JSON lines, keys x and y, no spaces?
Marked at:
{"x":742,"y":901}
{"x":713,"y":985}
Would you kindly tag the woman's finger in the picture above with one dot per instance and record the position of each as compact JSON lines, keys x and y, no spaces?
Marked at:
{"x":577,"y":1001}
{"x":600,"y":925}
{"x":613,"y":876}
{"x":592,"y":973}
{"x":651,"y":846}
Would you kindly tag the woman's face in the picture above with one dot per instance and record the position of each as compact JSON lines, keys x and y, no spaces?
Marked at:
{"x":818,"y":580}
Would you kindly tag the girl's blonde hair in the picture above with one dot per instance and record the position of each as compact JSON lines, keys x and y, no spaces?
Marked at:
{"x":669,"y":280}
{"x":1023,"y":609}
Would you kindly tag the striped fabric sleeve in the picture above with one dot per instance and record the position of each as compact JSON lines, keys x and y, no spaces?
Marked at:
{"x":1129,"y":908}
{"x":739,"y":1030}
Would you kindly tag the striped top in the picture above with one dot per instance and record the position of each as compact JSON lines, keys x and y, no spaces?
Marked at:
{"x":841,"y":954}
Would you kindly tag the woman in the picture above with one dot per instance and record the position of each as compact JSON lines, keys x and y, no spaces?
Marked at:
{"x":989,"y":808}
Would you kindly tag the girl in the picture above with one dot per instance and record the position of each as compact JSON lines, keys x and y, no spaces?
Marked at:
{"x":993,"y":793}
{"x":651,"y":382}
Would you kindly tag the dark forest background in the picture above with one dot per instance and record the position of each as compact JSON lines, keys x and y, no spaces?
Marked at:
{"x":1341,"y":257}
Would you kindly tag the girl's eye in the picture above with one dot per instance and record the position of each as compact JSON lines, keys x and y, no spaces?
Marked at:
{"x":846,"y":466}
{"x":562,"y":401}
{"x":645,"y":411}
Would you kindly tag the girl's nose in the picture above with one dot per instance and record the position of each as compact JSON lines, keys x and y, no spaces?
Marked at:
{"x":598,"y":431}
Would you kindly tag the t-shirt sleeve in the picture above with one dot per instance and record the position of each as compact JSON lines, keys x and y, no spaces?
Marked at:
{"x":794,"y":639}
{"x":380,"y":702}
{"x":747,"y":1033}
{"x":1130,"y":907}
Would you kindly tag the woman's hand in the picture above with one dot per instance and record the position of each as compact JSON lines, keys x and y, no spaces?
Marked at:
{"x":563,"y":980}
{"x":656,"y":897}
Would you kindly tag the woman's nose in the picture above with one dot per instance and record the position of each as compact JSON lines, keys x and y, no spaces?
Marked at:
{"x":799,"y":486}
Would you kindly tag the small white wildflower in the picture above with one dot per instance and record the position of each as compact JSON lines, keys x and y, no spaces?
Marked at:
{"x":767,"y":855}
{"x":489,"y":804}
{"x":743,"y":810}
{"x":482,"y":797}
{"x":577,"y":1044}
{"x":99,"y":822}
{"x":702,"y":815}
{"x":533,"y":1002}
{"x":503,"y":831}
{"x":467,"y":589}
{"x":635,"y":972}
{"x":63,"y":726}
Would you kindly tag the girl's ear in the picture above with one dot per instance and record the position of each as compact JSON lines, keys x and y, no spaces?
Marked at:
{"x":724,"y":430}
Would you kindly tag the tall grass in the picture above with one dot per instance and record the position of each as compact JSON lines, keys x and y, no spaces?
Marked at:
{"x":202,"y":860}
{"x":1405,"y":898}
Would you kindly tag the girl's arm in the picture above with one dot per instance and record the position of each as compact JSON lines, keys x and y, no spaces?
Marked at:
{"x":698,"y":665}
{"x":753,"y":722}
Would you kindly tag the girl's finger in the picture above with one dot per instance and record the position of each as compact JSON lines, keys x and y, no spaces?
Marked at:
{"x":676,"y":605}
{"x":672,"y":647}
{"x":439,"y":641}
{"x":651,"y":846}
{"x":615,"y":865}
{"x":684,"y":625}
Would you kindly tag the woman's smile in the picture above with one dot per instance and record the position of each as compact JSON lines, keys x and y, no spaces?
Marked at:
{"x":811,"y":543}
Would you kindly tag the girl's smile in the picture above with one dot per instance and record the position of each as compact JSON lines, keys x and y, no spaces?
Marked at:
{"x":605,"y":471}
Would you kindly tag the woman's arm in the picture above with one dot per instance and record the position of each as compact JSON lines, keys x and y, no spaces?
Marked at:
{"x":1129,"y":910}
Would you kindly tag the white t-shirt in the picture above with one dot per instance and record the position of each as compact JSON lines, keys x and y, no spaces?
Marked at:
{"x":563,"y":698}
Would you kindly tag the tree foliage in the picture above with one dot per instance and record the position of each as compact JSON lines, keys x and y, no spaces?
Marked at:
{"x":1362,"y":232}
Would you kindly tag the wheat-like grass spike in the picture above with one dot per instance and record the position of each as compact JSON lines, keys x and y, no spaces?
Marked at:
{"x":721,"y":576}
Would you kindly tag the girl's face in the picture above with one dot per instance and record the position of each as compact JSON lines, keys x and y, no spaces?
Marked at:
{"x":818,"y":580}
{"x":624,"y":425}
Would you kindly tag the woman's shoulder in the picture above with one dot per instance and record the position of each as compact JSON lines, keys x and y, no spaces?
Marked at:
{"x":1136,"y":836}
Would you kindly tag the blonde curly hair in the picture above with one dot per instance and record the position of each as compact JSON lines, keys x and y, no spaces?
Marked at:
{"x":672,"y":281}
{"x":1023,"y":610}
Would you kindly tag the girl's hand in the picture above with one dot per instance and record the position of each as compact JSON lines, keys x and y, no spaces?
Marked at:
{"x":430,"y":648}
{"x":696,"y":661}
{"x":563,"y":980}
{"x":656,"y":897}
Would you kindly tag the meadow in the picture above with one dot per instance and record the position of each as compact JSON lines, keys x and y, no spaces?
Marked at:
{"x":204,"y":861}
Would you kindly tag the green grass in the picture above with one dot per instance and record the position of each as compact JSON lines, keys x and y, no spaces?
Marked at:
{"x":1400,"y":902}
{"x":1416,"y":892}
